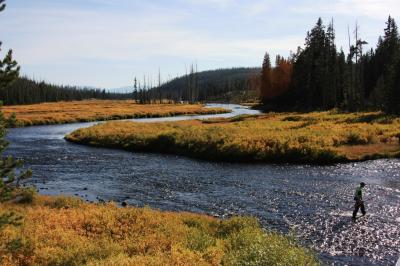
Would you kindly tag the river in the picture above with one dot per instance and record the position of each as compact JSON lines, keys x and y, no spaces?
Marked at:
{"x":312,"y":202}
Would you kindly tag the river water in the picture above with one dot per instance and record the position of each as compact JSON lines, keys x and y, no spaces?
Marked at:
{"x":312,"y":202}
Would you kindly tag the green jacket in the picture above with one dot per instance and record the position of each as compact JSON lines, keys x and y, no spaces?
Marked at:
{"x":359,"y":193}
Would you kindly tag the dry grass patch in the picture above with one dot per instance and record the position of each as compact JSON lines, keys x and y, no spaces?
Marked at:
{"x":320,"y":137}
{"x":65,"y":231}
{"x":94,"y":110}
{"x":371,"y":151}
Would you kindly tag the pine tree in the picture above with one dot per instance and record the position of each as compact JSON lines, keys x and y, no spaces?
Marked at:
{"x":135,"y":91}
{"x":310,"y":89}
{"x":9,"y":180}
{"x":391,"y":44}
{"x":9,"y":69}
{"x":331,"y":68}
{"x":394,"y":100}
{"x":266,"y":78}
{"x":341,"y":81}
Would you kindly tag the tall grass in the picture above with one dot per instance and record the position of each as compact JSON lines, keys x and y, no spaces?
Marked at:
{"x":325,"y":137}
{"x":96,"y":110}
{"x":64,"y":231}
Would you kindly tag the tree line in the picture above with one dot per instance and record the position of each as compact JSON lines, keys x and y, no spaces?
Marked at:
{"x":321,"y":77}
{"x":189,"y":92}
{"x":236,"y":84}
{"x":206,"y":86}
{"x":27,"y":91}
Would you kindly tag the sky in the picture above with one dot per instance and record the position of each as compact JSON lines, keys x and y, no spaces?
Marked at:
{"x":107,"y":43}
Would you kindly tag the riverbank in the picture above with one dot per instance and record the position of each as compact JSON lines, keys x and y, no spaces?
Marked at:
{"x":64,"y":231}
{"x":316,"y":138}
{"x":97,"y":110}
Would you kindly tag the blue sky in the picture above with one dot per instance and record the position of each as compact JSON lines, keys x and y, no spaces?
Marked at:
{"x":106,"y":43}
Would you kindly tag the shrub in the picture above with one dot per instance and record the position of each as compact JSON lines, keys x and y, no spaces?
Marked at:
{"x":294,"y":118}
{"x":64,"y":202}
{"x":354,"y":138}
{"x":254,"y":247}
{"x":25,"y":195}
{"x":199,"y":240}
{"x":397,"y":135}
{"x":12,"y":120}
{"x":235,"y":225}
{"x":9,"y":218}
{"x":372,"y":138}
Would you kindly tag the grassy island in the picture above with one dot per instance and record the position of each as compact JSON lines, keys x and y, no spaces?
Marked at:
{"x":97,"y":110}
{"x":318,"y":138}
{"x":67,"y":231}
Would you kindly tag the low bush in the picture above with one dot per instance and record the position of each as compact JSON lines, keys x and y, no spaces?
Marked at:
{"x":103,"y":234}
{"x":354,"y":138}
{"x":64,"y":202}
{"x":24,"y":195}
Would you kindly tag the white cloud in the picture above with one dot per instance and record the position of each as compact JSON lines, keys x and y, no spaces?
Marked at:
{"x":68,"y":35}
{"x":257,"y":8}
{"x":213,"y":3}
{"x":375,"y":9}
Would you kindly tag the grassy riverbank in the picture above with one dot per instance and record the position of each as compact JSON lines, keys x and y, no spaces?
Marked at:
{"x":97,"y":110}
{"x":67,"y":231}
{"x":320,"y":137}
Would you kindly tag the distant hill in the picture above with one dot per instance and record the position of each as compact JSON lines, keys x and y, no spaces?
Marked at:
{"x":223,"y":85}
{"x":124,"y":90}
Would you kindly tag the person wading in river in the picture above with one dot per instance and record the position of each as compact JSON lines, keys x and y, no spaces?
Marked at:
{"x":358,"y":197}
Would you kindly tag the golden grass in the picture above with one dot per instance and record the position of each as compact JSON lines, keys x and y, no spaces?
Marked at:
{"x":67,"y":231}
{"x":94,"y":110}
{"x":369,"y":151}
{"x":320,"y":137}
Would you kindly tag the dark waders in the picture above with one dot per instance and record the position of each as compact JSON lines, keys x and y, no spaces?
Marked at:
{"x":358,"y":197}
{"x":359,"y":204}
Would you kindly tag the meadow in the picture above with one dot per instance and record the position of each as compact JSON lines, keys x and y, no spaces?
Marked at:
{"x":96,"y":110}
{"x":316,"y":138}
{"x":67,"y":231}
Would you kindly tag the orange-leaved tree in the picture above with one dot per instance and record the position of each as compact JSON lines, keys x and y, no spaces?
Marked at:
{"x":275,"y":80}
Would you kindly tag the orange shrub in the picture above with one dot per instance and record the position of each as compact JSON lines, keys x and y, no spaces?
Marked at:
{"x":104,"y":234}
{"x":93,"y":110}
